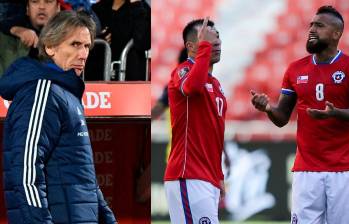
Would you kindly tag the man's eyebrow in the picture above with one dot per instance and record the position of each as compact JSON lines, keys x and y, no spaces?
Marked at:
{"x":316,"y":23}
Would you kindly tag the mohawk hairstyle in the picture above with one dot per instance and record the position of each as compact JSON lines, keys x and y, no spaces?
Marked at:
{"x":190,"y":30}
{"x":328,"y":9}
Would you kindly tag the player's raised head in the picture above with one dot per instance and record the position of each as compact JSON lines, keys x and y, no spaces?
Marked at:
{"x":325,"y":30}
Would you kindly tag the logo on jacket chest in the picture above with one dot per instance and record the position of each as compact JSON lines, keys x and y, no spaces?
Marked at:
{"x":338,"y":77}
{"x":82,"y":119}
{"x":81,"y":133}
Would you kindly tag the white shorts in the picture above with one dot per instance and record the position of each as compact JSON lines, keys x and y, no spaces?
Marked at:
{"x":192,"y":201}
{"x":320,"y":197}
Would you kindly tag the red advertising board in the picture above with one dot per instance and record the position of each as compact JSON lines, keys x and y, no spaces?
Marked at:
{"x":121,"y":152}
{"x":110,"y":99}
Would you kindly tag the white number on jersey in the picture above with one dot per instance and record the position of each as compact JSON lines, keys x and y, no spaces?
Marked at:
{"x":319,"y":88}
{"x":220,"y":105}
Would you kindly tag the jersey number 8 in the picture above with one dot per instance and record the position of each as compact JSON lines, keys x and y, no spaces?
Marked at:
{"x":319,"y":88}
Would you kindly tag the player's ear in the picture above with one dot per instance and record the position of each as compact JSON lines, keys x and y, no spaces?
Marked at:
{"x":337,"y":34}
{"x":190,"y":46}
{"x":50,"y":51}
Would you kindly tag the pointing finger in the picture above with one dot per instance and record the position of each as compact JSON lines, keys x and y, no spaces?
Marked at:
{"x":203,"y":28}
{"x":204,"y":24}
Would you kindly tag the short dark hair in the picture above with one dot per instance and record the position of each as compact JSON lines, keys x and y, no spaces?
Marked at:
{"x":190,"y":31}
{"x":328,"y":9}
{"x":183,"y":55}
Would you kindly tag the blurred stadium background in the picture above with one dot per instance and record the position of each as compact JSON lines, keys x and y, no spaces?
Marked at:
{"x":259,"y":40}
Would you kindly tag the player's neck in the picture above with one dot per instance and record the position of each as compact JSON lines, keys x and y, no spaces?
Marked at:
{"x":210,"y":69}
{"x":326,"y":55}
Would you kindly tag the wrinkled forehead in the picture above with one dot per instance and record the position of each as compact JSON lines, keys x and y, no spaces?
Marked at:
{"x":80,"y":34}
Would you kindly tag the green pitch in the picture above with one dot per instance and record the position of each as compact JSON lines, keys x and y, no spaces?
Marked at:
{"x":230,"y":222}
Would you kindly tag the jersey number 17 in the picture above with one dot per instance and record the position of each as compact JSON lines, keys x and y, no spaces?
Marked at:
{"x":220,"y":104}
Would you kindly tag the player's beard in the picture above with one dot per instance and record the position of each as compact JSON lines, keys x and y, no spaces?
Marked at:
{"x":317,"y":47}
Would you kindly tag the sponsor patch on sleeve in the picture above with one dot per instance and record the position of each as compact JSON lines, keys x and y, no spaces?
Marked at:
{"x":183,"y":71}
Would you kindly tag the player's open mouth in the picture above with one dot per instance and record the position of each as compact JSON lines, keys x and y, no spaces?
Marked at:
{"x":312,"y":38}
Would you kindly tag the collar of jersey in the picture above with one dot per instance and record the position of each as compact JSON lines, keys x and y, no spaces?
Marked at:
{"x":335,"y":58}
{"x":191,"y":60}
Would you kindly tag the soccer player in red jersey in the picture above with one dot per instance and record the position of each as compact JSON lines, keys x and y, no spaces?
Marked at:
{"x":193,"y":177}
{"x":318,"y":86}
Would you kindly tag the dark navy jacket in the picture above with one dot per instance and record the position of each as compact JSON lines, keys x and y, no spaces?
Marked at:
{"x":49,"y":174}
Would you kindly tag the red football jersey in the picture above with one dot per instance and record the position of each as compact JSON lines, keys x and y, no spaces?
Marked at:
{"x":197,"y":106}
{"x":322,"y":145}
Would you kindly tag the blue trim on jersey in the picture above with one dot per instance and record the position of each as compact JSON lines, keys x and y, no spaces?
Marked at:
{"x":191,"y":60}
{"x":185,"y":201}
{"x":336,"y":57}
{"x":181,"y":87}
{"x":326,"y":63}
{"x":287,"y":91}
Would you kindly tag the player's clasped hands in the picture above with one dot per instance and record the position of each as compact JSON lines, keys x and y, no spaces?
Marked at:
{"x":207,"y":33}
{"x":260,"y":101}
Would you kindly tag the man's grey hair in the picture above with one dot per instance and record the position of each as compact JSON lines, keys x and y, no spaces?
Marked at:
{"x":60,"y":26}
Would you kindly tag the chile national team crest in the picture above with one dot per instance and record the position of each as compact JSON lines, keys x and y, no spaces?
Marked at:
{"x":338,"y":77}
